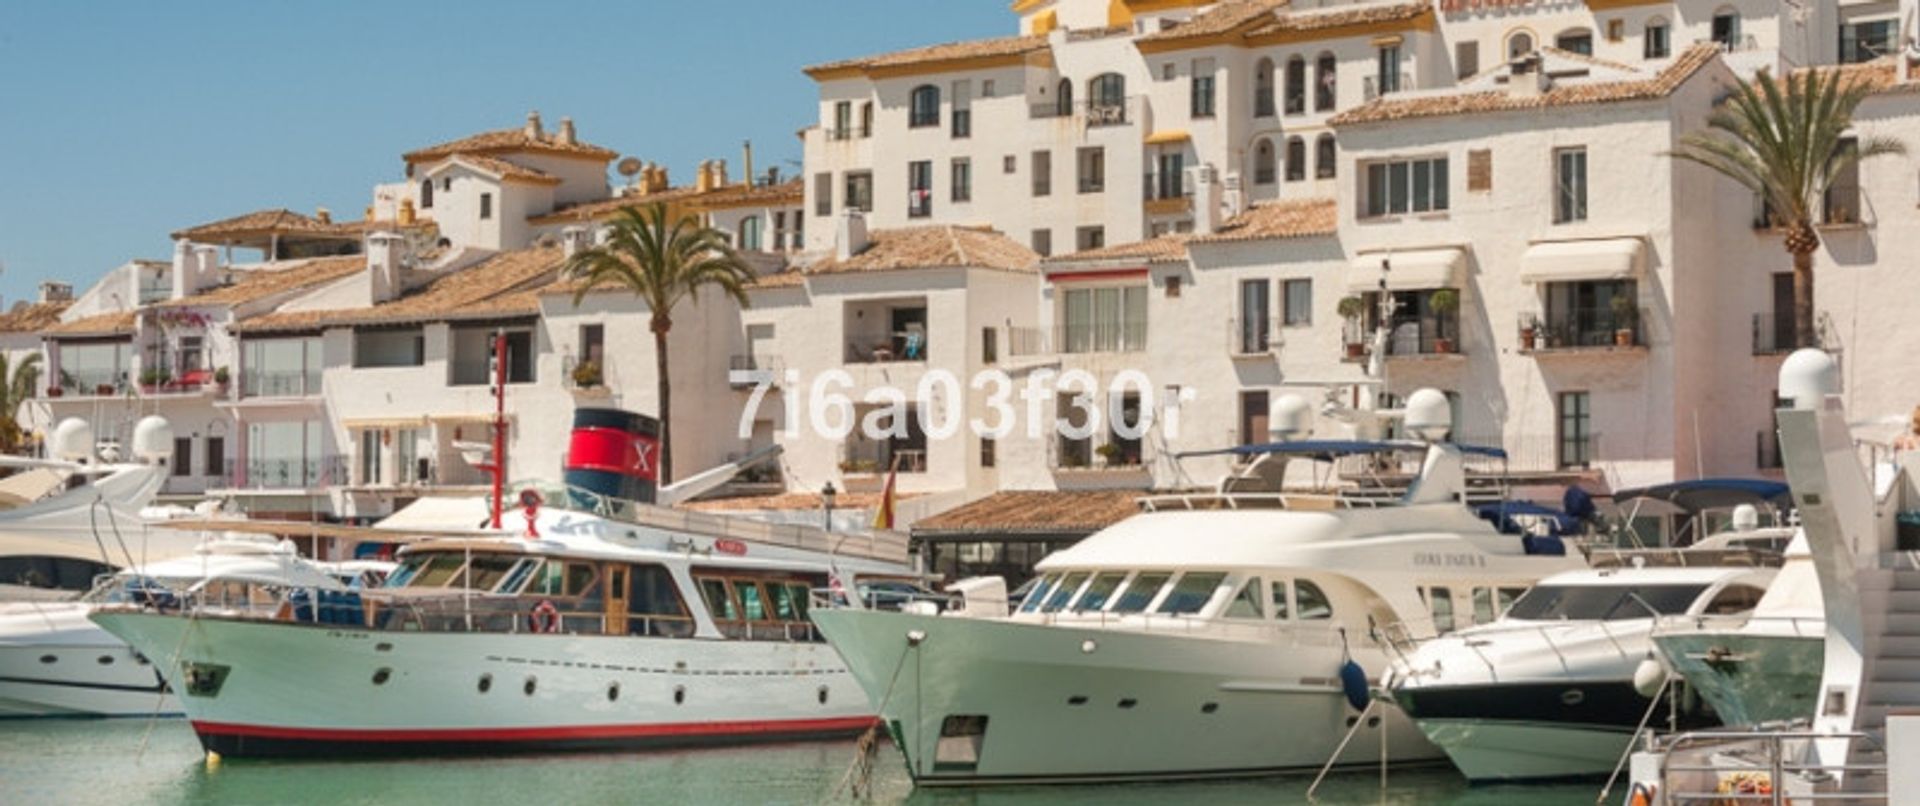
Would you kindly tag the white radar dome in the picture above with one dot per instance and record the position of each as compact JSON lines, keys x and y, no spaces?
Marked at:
{"x":1428,"y":415}
{"x":72,"y":440}
{"x":1746,"y":518}
{"x":1807,"y":377}
{"x":1289,"y":418}
{"x":153,"y":439}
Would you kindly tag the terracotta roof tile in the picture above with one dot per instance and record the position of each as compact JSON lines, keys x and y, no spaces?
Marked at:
{"x":1224,"y":18}
{"x":1561,"y":93}
{"x":723,"y":198}
{"x":1170,"y":248}
{"x":934,"y":247}
{"x":27,"y":317}
{"x":791,"y":278}
{"x":505,"y":285}
{"x":104,"y":324}
{"x":1296,"y":218}
{"x":506,"y":141}
{"x":1291,"y":21}
{"x":261,"y":223}
{"x":1881,"y":76}
{"x":507,"y":171}
{"x":1031,"y":511}
{"x":934,"y":54}
{"x":258,"y":284}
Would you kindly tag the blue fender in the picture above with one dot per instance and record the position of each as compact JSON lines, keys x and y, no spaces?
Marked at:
{"x":1353,"y":681}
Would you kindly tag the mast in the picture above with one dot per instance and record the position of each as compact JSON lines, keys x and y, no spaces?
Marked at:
{"x":498,"y":466}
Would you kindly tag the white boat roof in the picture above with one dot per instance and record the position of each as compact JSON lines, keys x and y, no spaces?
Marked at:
{"x":1227,"y":538}
{"x":1665,"y":575}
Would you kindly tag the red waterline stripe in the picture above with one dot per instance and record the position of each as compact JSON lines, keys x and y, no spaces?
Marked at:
{"x":535,"y":734}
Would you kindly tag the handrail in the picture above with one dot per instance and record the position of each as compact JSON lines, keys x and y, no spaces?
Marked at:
{"x":1778,"y":769}
{"x":1192,"y":501}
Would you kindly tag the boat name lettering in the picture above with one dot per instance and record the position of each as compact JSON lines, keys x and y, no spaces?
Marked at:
{"x":1438,"y":560}
{"x":733,"y":547}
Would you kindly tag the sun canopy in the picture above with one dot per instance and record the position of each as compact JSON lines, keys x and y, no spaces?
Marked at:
{"x":1573,"y":261}
{"x":1327,"y":450}
{"x":1419,"y":270}
{"x":1702,"y":494}
{"x":1502,"y":514}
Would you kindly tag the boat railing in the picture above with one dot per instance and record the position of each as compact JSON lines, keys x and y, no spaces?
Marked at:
{"x":1301,"y":633}
{"x":1603,"y":557}
{"x":1803,"y":626}
{"x":1696,"y":768}
{"x":1308,"y":502}
{"x":885,"y":546}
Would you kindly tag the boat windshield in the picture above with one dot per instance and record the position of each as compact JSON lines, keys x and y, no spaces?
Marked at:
{"x":1603,"y":602}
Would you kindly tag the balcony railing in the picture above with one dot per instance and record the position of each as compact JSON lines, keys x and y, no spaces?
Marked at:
{"x":1096,"y":113}
{"x":744,"y":371}
{"x":1371,"y":88}
{"x":1840,"y":206}
{"x":1532,"y":453}
{"x":293,"y":474}
{"x":93,"y":382}
{"x":1422,"y":337}
{"x":1774,"y":333}
{"x":1582,"y":329}
{"x":279,"y":383}
{"x":1091,"y":453}
{"x":837,"y":134}
{"x":865,"y":457}
{"x":1163,"y":187}
{"x":1248,"y":337}
{"x":899,"y":347}
{"x":1101,"y":337}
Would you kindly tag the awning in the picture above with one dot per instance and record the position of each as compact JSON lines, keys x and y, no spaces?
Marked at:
{"x":382,"y":423}
{"x":1168,"y":136}
{"x":1417,"y":270}
{"x":433,"y":513}
{"x":464,"y":419}
{"x":1572,"y":261}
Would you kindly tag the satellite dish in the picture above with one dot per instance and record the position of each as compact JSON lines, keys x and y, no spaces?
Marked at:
{"x":629,"y":167}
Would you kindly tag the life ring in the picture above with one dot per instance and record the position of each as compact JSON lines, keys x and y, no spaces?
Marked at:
{"x":545,"y":618}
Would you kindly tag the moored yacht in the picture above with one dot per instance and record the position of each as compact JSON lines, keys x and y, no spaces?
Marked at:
{"x":1214,"y":634}
{"x":590,"y":619}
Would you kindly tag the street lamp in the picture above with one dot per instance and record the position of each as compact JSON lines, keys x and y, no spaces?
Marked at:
{"x":827,"y":494}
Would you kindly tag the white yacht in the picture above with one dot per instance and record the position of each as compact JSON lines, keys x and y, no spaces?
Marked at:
{"x":1214,"y":634}
{"x":590,"y":620}
{"x":56,"y":663}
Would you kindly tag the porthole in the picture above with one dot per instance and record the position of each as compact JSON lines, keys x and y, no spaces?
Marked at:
{"x":531,"y":684}
{"x":486,"y":683}
{"x":104,"y":660}
{"x":48,"y":659}
{"x":1129,"y":702}
{"x":823,"y":695}
{"x":1352,"y":721}
{"x":1077,"y":700}
{"x":383,"y":647}
{"x":613,"y":692}
{"x":382,"y":675}
{"x":1373,"y":722}
{"x":1572,"y":697}
{"x":679,"y":695}
{"x":1210,"y":708}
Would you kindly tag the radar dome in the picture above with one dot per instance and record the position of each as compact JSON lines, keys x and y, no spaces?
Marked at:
{"x":153,"y":439}
{"x":1807,"y":377}
{"x":1746,"y":518}
{"x":1290,"y":418}
{"x":72,"y":440}
{"x":1428,"y":415}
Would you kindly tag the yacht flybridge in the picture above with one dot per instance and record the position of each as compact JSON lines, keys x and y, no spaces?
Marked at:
{"x":588,"y":619}
{"x":1213,"y":634}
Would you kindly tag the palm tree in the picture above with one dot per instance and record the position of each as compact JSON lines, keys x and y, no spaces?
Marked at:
{"x":1787,"y":142}
{"x":662,"y":260}
{"x":18,"y":388}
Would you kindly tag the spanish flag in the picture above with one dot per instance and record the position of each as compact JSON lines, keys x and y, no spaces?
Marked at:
{"x":883,"y":514}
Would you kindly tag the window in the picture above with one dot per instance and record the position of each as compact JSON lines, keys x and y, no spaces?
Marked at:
{"x":962,"y":110}
{"x":1200,"y":89}
{"x":989,"y":344}
{"x":1387,"y":76}
{"x":1518,"y":45}
{"x":1255,"y":317}
{"x":1099,"y":592}
{"x":1104,"y":320}
{"x":1296,"y":159}
{"x":1092,"y":163}
{"x":1041,"y":241}
{"x":372,"y":457}
{"x":426,"y":194}
{"x":920,"y":189}
{"x":866,"y":119}
{"x":1063,"y":99}
{"x":1063,"y":592}
{"x":1576,"y":430}
{"x":780,"y":230}
{"x":651,"y":592}
{"x":1440,"y":605}
{"x":1840,"y":204}
{"x":1325,"y":155}
{"x":1253,"y":417}
{"x":1264,"y":167}
{"x":1107,"y":97}
{"x":988,"y":451}
{"x":389,"y":348}
{"x":1299,"y":301}
{"x":1310,"y":602}
{"x":1263,"y":89}
{"x":1575,"y":41}
{"x":860,"y":191}
{"x":1325,"y":83}
{"x":473,"y":351}
{"x":182,"y":456}
{"x":192,"y":354}
{"x":1483,"y":609}
{"x":1466,"y":59}
{"x":749,"y":234}
{"x":1170,"y":179}
{"x":1085,"y":238}
{"x":1279,"y":599}
{"x":1603,"y":602}
{"x":1168,"y":71}
{"x":1659,"y":40}
{"x":823,"y":194}
{"x":1296,"y":85}
{"x":1140,"y":592}
{"x":1866,"y":40}
{"x":1403,"y":186}
{"x":1042,"y":173}
{"x":1190,"y":593}
{"x":1247,"y":603}
{"x":593,"y":340}
{"x":1570,"y":185}
{"x":842,"y":121}
{"x":1616,"y":30}
{"x":923,"y":107}
{"x":962,"y":180}
{"x":216,"y":459}
{"x":486,"y":206}
{"x":1726,"y":29}
{"x":986,"y":88}
{"x":1173,"y":287}
{"x":1009,"y":164}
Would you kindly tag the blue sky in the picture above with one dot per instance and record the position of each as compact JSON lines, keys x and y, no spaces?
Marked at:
{"x":123,"y":121}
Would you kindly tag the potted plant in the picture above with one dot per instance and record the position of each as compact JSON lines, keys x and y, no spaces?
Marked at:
{"x":221,"y":376}
{"x":1109,"y":454}
{"x":152,"y":378}
{"x":586,"y":374}
{"x":1529,"y":332}
{"x":1351,"y":308}
{"x":1623,"y":313}
{"x":1444,"y":303}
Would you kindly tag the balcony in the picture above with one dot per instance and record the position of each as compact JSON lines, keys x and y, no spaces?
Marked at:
{"x":1773,"y":333}
{"x":90,"y":383}
{"x":294,"y":474}
{"x":841,"y":135}
{"x":862,"y":457}
{"x":1372,"y":86}
{"x":279,"y":383}
{"x":1433,"y":337}
{"x":586,"y":377}
{"x":1165,"y":193}
{"x":1253,"y":338}
{"x":886,"y":331}
{"x":1112,"y":456}
{"x":1094,"y":114}
{"x":1534,"y":453}
{"x":749,"y":371}
{"x":1583,"y":330}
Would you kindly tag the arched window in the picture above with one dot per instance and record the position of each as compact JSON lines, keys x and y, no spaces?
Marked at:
{"x":1296,"y":85}
{"x":1264,"y":169}
{"x":749,"y":239}
{"x":1324,"y":156}
{"x":1107,"y":91}
{"x":1726,"y":28}
{"x":1518,"y":45}
{"x":1263,"y":89}
{"x":924,"y":106}
{"x":426,"y":194}
{"x":1296,"y":159}
{"x":1575,"y":40}
{"x":1324,"y":83}
{"x":1063,"y":102}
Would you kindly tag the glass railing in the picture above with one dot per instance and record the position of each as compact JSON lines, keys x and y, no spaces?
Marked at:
{"x":279,"y":383}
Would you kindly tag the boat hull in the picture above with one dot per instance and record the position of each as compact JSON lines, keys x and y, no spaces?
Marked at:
{"x":282,"y":689}
{"x":55,"y":663}
{"x":1493,"y":751}
{"x":1064,"y":704}
{"x":1750,"y":678}
{"x":1538,"y":730}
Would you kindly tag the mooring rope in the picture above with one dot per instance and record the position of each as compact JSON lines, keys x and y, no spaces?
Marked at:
{"x":858,"y":780}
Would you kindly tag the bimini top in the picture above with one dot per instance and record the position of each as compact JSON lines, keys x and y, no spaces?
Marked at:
{"x":1328,"y":450}
{"x":1703,"y":494}
{"x":1502,"y":514}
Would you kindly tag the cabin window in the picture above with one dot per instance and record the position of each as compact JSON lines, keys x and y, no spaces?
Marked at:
{"x":651,"y":592}
{"x":788,"y":601}
{"x":439,"y":571}
{"x":1063,"y":593}
{"x":719,"y":602}
{"x":1311,"y":602}
{"x":752,"y":606}
{"x":485,"y":571}
{"x":1734,"y":599}
{"x":1099,"y":592}
{"x":1039,"y":593}
{"x":581,"y":578}
{"x":1279,"y":599}
{"x":1604,"y":602}
{"x":1483,"y":610}
{"x":1140,"y":592}
{"x":1440,"y":605}
{"x":1246,"y":604}
{"x":1190,"y":594}
{"x":518,"y":576}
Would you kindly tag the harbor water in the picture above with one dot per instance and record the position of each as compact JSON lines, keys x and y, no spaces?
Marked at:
{"x":135,"y":761}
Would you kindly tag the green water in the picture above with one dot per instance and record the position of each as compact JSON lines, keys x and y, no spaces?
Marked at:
{"x":129,"y":762}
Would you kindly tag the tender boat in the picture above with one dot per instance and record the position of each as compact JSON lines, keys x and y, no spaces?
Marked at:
{"x":590,"y":620}
{"x":1215,"y":634}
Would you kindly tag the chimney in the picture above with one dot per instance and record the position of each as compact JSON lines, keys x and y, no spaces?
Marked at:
{"x":852,"y":238}
{"x":533,"y":125}
{"x":185,"y":265}
{"x":746,"y":161}
{"x":405,"y":216}
{"x":1234,"y":196}
{"x":323,"y":215}
{"x":720,"y":174}
{"x":573,"y":240}
{"x":660,"y":181}
{"x":1527,"y":77}
{"x":703,"y":177}
{"x":383,"y":266}
{"x":51,"y":291}
{"x":209,"y":259}
{"x":566,"y":137}
{"x":1206,"y":199}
